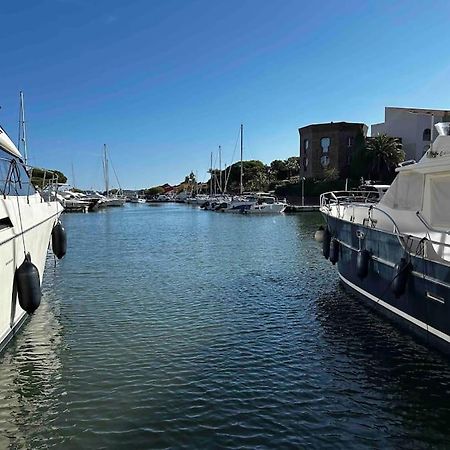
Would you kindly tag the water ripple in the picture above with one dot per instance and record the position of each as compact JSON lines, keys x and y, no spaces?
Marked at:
{"x":170,"y":327}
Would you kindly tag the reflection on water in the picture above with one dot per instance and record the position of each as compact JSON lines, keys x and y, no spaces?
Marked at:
{"x":172,"y":327}
{"x":30,"y":374}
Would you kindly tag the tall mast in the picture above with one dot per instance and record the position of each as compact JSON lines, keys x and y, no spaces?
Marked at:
{"x":241,"y":187}
{"x":220,"y":169}
{"x":105,"y":166}
{"x":22,"y":129}
{"x":211,"y":179}
{"x":73,"y":177}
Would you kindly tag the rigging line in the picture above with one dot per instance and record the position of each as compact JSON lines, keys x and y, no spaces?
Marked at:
{"x":227,"y":177}
{"x":115,"y":173}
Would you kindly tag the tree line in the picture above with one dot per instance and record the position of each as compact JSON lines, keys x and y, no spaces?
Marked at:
{"x":373,"y":159}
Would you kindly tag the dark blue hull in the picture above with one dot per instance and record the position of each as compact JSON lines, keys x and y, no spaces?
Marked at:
{"x":423,"y":307}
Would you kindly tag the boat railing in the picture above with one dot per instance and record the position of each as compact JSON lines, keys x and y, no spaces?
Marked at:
{"x":48,"y":185}
{"x":16,"y":178}
{"x":340,"y":198}
{"x":337,"y":197}
{"x":428,"y":226}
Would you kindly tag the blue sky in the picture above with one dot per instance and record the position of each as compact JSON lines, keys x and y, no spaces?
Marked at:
{"x":163,"y":83}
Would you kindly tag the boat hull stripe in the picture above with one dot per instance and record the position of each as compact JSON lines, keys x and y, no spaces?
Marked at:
{"x":397,"y":311}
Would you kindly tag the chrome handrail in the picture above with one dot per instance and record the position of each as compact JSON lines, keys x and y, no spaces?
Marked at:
{"x":396,"y":230}
{"x":429,"y":227}
{"x":12,"y":177}
{"x":338,"y":196}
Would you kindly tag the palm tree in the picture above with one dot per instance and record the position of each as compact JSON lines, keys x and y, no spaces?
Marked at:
{"x":386,"y":153}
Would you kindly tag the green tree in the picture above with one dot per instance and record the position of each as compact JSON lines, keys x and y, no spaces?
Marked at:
{"x":190,"y":178}
{"x":155,"y":190}
{"x":360,"y":162}
{"x":293,"y":165}
{"x":385,"y":153}
{"x":278,"y":169}
{"x":41,"y":177}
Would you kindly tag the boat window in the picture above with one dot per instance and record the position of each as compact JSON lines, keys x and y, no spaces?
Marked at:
{"x":14,"y":179}
{"x":406,"y":192}
{"x":426,"y":136}
{"x":439,"y":187}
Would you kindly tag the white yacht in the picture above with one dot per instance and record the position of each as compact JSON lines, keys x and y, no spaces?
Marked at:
{"x":27,"y":222}
{"x":266,"y":204}
{"x":395,"y":253}
{"x":259,"y":203}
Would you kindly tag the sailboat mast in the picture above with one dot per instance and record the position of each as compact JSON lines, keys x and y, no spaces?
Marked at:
{"x":211,"y":179}
{"x":241,"y":186}
{"x":105,"y":165}
{"x":22,"y":129}
{"x":73,"y":177}
{"x":220,"y":169}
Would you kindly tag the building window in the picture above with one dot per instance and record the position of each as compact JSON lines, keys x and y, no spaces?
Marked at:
{"x":325,"y":160}
{"x":350,"y":141}
{"x":325,"y":144}
{"x":426,"y":136}
{"x":303,"y":151}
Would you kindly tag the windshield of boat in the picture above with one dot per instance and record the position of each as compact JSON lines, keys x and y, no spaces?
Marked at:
{"x":14,"y":178}
{"x":268,"y":200}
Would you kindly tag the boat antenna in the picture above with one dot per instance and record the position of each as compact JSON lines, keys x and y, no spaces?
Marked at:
{"x":241,"y":187}
{"x":431,"y":132}
{"x":22,"y":129}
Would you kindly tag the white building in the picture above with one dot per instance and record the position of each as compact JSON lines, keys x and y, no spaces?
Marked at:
{"x":413,"y":125}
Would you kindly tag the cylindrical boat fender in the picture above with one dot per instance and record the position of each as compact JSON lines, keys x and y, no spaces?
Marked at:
{"x":59,"y":240}
{"x":402,"y":271}
{"x":28,"y":285}
{"x":318,"y":235}
{"x":362,"y":263}
{"x":334,"y":251}
{"x":326,"y":243}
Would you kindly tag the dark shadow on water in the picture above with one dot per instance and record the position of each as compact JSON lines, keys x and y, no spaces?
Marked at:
{"x":412,"y":379}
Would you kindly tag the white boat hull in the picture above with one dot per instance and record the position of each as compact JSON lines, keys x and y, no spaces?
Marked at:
{"x":32,"y":223}
{"x":114,"y":202}
{"x":275,"y":208}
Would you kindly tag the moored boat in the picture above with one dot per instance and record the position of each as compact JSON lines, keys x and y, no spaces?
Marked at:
{"x":27,"y":222}
{"x":259,"y":203}
{"x":395,"y":253}
{"x":116,"y":199}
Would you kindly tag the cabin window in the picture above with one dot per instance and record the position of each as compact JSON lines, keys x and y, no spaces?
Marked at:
{"x":14,"y":179}
{"x":406,"y":192}
{"x":426,"y":135}
{"x":439,"y":186}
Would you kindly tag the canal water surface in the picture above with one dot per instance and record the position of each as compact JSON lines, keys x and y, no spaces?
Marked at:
{"x":171,"y":327}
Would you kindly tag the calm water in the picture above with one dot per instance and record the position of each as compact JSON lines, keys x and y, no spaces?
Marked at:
{"x":171,"y":327}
